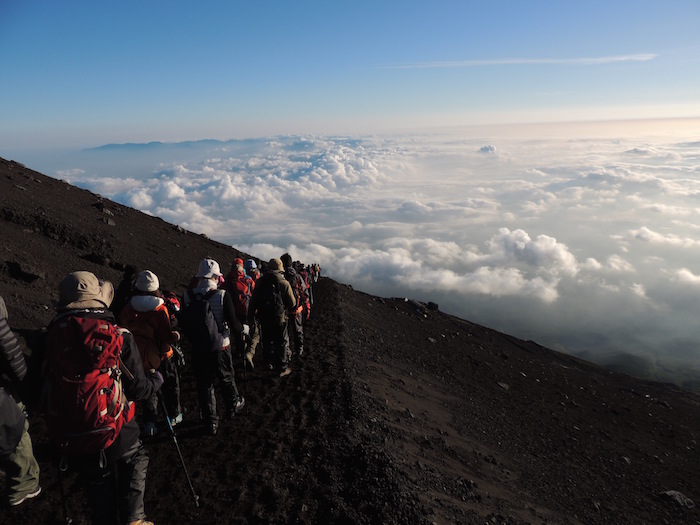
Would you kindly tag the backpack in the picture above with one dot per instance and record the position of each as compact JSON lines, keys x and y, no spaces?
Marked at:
{"x":199,"y":324}
{"x":271,"y":307}
{"x":240,"y":289}
{"x":87,"y":407}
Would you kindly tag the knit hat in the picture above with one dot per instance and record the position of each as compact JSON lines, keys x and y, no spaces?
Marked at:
{"x":250,"y":264}
{"x":83,"y":290}
{"x":147,"y":281}
{"x":275,"y":265}
{"x":238,"y":261}
{"x":208,"y":269}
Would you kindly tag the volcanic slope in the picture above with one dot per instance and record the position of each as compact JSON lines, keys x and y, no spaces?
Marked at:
{"x":397,"y":413}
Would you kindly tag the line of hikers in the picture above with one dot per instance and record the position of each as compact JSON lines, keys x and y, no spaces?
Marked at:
{"x":107,"y":350}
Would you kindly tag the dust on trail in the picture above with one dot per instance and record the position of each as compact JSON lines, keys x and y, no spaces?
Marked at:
{"x":278,"y":461}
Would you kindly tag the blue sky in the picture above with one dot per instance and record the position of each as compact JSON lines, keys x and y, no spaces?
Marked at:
{"x":85,"y":73}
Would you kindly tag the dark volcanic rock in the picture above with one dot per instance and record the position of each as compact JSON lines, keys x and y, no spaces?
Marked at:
{"x":398,"y":413}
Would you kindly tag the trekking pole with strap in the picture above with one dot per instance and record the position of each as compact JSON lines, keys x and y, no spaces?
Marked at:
{"x":245,"y":365}
{"x":177,"y":446}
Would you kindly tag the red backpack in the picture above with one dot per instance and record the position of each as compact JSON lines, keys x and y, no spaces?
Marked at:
{"x":240,"y":286}
{"x":87,"y":406}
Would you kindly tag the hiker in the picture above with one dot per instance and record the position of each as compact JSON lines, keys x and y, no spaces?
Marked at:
{"x":124,"y":290}
{"x":253,"y":272}
{"x":296,"y":321}
{"x":208,"y":318}
{"x":171,"y":393}
{"x":146,"y":317}
{"x":251,"y":268}
{"x":240,"y":287}
{"x":17,"y":459}
{"x":272,"y":299}
{"x":87,"y":352}
{"x":305,"y":274}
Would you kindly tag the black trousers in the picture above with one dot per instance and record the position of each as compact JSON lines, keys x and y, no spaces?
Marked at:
{"x":275,"y":341}
{"x":125,"y":472}
{"x":208,"y":367}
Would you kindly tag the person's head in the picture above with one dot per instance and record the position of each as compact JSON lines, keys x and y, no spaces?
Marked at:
{"x":208,"y":269}
{"x":237,"y":262}
{"x":147,"y":283}
{"x":80,"y":290}
{"x":250,"y":265}
{"x":275,"y":265}
{"x":286,"y":260}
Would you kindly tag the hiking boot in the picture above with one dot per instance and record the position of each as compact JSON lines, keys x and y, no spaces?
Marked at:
{"x":249,"y":360}
{"x":20,"y":500}
{"x":149,"y":429}
{"x":176,"y":420}
{"x":141,"y":522}
{"x":285,"y":372}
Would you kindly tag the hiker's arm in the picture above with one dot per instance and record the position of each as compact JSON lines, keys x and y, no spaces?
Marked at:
{"x":230,"y":315}
{"x":165,"y":334}
{"x":137,"y":386}
{"x":12,"y":358}
{"x":288,"y":297}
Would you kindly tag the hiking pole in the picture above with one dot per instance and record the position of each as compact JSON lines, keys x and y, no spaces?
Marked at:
{"x":177,"y":446}
{"x":244,"y":339}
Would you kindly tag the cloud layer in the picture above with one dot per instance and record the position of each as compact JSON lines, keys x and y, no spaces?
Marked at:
{"x":577,"y":243}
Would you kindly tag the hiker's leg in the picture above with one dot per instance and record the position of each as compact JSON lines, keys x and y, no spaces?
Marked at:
{"x":100,"y":490}
{"x":204,"y":370}
{"x":298,"y":323}
{"x":171,"y":387}
{"x":226,"y":375}
{"x":21,"y":469}
{"x":132,"y":469}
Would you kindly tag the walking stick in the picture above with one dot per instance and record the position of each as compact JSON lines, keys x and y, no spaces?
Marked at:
{"x":177,"y":446}
{"x":245,"y":377}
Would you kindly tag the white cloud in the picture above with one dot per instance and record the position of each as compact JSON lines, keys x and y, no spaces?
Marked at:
{"x":650,"y":236}
{"x":685,"y":276}
{"x":619,"y":264}
{"x":532,"y":237}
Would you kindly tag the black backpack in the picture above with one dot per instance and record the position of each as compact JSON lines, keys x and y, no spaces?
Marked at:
{"x":199,"y":324}
{"x":271,"y":308}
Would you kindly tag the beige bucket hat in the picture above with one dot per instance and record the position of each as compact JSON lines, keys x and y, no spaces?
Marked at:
{"x":84,"y":290}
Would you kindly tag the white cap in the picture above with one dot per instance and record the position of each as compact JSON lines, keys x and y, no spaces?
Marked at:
{"x":208,"y":269}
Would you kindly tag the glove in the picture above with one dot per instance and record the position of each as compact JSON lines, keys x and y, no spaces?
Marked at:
{"x":246,"y":330}
{"x":156,"y":378}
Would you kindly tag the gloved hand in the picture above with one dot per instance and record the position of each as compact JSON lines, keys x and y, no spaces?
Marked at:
{"x":246,"y":330}
{"x":156,"y":378}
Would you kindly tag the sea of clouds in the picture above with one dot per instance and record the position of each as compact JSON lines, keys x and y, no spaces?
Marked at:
{"x":583,"y":242}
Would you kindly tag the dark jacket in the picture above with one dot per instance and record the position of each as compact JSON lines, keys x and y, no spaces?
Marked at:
{"x":288,"y":297}
{"x":14,"y":368}
{"x":12,"y":363}
{"x":298,"y":286}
